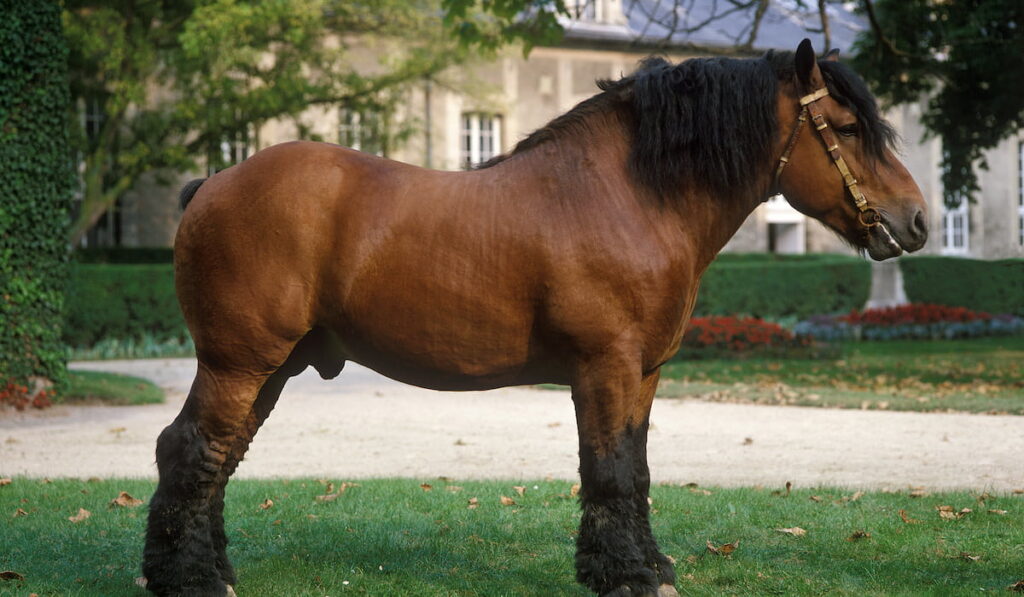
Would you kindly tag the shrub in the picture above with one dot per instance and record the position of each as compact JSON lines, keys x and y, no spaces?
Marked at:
{"x":124,"y":302}
{"x":35,"y":168}
{"x":732,"y":336}
{"x":783,"y":286}
{"x":124,"y":255}
{"x":914,"y":321}
{"x":992,"y":286}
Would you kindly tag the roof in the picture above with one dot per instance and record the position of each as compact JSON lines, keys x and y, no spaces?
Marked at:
{"x":721,"y":25}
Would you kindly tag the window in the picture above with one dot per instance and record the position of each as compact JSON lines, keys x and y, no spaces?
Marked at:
{"x":93,"y":117}
{"x":586,"y":10}
{"x":360,"y":131}
{"x":480,"y":138}
{"x":233,"y":149}
{"x":956,"y":228}
{"x":1020,"y":193}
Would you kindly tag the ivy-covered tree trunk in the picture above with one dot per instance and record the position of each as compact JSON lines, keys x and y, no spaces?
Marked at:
{"x":36,"y":177}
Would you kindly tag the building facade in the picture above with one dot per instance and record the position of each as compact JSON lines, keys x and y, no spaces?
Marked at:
{"x":512,"y":96}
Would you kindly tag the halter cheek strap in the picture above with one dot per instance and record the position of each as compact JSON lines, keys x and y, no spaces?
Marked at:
{"x":866,"y":215}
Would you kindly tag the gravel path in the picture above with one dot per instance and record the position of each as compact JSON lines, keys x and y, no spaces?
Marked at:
{"x":364,"y":425}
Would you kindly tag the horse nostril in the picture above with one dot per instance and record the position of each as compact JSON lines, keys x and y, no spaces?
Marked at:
{"x":920,"y":227}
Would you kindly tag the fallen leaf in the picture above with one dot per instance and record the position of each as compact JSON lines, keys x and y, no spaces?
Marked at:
{"x":520,"y":489}
{"x":9,"y":575}
{"x":748,"y":441}
{"x":20,"y":512}
{"x":82,"y":515}
{"x":555,"y":424}
{"x":948,"y":513}
{"x":789,"y":489}
{"x":699,"y":491}
{"x":330,"y":497}
{"x":268,"y":504}
{"x":724,"y":549}
{"x":907,"y":519}
{"x":856,"y":496}
{"x":858,"y":535}
{"x":997,"y":512}
{"x":507,"y":501}
{"x":815,"y":498}
{"x":1017,"y":587}
{"x":966,"y":556}
{"x":117,"y":430}
{"x":5,"y":481}
{"x":574,"y":490}
{"x":474,"y":503}
{"x":795,"y":531}
{"x":124,"y":500}
{"x":141,"y":581}
{"x":459,"y":442}
{"x":453,"y":488}
{"x":426,"y":486}
{"x":918,"y":493}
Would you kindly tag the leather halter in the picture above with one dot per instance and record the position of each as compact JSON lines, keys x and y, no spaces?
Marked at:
{"x":866,"y":215}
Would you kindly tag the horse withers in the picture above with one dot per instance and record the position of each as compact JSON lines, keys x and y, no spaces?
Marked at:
{"x":574,"y":259}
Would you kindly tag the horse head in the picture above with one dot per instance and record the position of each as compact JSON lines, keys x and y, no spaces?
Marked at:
{"x":842,"y":170}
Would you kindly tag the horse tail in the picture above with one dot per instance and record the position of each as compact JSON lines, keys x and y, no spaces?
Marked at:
{"x":188,"y":191}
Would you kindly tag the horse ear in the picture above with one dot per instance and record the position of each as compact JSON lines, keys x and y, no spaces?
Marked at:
{"x":833,"y":55}
{"x":807,"y":65}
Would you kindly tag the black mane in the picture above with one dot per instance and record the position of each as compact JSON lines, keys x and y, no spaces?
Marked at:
{"x":708,"y":123}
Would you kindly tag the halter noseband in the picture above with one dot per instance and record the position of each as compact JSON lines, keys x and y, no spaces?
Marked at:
{"x":867,"y":215}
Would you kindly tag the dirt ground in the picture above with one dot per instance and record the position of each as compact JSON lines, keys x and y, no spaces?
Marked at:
{"x":364,"y":425}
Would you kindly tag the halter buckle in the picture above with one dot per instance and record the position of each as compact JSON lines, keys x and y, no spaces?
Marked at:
{"x":873,"y":218}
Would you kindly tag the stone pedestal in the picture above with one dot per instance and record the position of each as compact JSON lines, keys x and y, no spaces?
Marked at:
{"x":886,"y":285}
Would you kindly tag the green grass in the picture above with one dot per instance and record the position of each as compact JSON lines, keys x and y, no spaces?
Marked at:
{"x":977,"y":375}
{"x":111,"y":388}
{"x":390,"y":537}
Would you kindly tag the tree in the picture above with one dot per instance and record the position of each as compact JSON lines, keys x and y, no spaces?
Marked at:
{"x":166,"y":81}
{"x":35,"y":169}
{"x":962,"y":56}
{"x":965,"y":57}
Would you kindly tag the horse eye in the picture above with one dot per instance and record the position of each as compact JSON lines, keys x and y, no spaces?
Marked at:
{"x":849,"y":130}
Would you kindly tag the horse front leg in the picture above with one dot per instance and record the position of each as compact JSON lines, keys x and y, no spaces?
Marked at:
{"x":616,"y":554}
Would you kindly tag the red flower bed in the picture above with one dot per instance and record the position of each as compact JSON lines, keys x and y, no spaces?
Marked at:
{"x":17,"y":396}
{"x":913,"y":314}
{"x":735,"y":334}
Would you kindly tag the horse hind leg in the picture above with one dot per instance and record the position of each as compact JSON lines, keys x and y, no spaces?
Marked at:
{"x":617,"y":555}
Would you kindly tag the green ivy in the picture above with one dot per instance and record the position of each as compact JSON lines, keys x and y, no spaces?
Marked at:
{"x":37,"y":176}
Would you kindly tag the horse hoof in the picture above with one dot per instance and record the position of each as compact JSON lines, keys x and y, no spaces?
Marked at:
{"x":667,"y":591}
{"x":231,"y":592}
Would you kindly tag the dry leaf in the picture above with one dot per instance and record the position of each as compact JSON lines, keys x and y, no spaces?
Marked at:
{"x":124,"y":500}
{"x":747,"y":441}
{"x":82,"y":515}
{"x":330,"y":497}
{"x":948,"y":513}
{"x":699,"y":491}
{"x":997,"y":512}
{"x":507,"y":501}
{"x":815,"y":498}
{"x":268,"y":504}
{"x":474,"y":503}
{"x":5,"y":481}
{"x":574,"y":490}
{"x":966,"y":556}
{"x":918,"y":493}
{"x":795,"y":531}
{"x":856,"y":496}
{"x":1017,"y":587}
{"x":789,"y":489}
{"x":724,"y":549}
{"x":520,"y":490}
{"x":907,"y":519}
{"x":858,"y":535}
{"x":8,"y":575}
{"x":426,"y":486}
{"x":453,"y":488}
{"x":20,"y":512}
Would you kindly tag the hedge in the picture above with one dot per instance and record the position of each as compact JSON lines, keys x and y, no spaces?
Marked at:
{"x":124,"y":255}
{"x":123,"y":302}
{"x":783,"y":286}
{"x":990,"y":286}
{"x":37,"y":175}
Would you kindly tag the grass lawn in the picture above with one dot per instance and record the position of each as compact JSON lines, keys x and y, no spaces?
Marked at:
{"x":392,"y":537}
{"x":976,"y":375}
{"x":111,"y":388}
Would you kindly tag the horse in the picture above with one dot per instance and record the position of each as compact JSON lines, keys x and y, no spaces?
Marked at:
{"x":573,"y":259}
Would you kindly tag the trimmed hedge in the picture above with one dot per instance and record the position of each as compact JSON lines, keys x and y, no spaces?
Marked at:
{"x":124,"y":255}
{"x":123,"y":302}
{"x":35,"y":167}
{"x":765,"y":285}
{"x":990,"y":286}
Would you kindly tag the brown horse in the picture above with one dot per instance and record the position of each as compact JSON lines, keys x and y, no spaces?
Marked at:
{"x":575,"y":259}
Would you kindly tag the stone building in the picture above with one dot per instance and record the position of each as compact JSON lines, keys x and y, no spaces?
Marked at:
{"x":513,"y":96}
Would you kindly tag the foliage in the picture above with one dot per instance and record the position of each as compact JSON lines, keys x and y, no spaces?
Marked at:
{"x":124,"y":255}
{"x":911,"y":321}
{"x":501,"y":22}
{"x":145,"y":347}
{"x":992,"y":286}
{"x":20,"y":397}
{"x":122,"y":302}
{"x":965,"y":58}
{"x":783,"y":286}
{"x":402,"y":540}
{"x":970,"y":375}
{"x":176,"y":79}
{"x":34,"y":168}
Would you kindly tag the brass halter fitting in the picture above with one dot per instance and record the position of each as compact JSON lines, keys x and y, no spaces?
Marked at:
{"x":867,"y":216}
